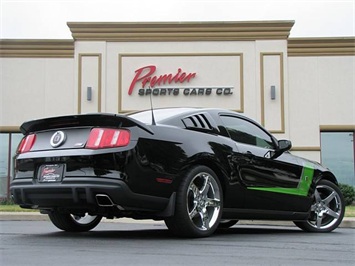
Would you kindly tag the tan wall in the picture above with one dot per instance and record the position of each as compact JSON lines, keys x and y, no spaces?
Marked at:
{"x":322,"y":93}
{"x":35,"y":87}
{"x":169,"y":56}
{"x":115,"y":76}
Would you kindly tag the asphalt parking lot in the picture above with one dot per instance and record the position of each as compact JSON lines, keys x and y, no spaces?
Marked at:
{"x":129,"y":242}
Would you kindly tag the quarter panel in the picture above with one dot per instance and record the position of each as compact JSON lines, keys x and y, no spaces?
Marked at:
{"x":171,"y":151}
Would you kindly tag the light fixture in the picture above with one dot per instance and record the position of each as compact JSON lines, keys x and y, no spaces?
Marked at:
{"x":273,"y":93}
{"x":88,"y":94}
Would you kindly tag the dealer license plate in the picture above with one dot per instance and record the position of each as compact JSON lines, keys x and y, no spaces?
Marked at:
{"x":50,"y":173}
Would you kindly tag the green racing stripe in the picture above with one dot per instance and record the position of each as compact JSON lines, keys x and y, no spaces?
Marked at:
{"x":301,"y":190}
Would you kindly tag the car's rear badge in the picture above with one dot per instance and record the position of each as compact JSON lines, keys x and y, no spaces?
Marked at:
{"x":58,"y":139}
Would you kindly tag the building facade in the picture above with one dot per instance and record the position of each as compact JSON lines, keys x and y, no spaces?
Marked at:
{"x":302,"y":89}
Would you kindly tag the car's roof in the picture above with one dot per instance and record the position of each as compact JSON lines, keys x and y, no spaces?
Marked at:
{"x":162,"y":114}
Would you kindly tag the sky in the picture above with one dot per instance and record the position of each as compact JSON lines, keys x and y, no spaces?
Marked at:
{"x":47,"y":19}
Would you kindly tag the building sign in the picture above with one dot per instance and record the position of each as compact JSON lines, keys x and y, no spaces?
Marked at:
{"x":210,"y":80}
{"x":150,"y":84}
{"x":148,"y":79}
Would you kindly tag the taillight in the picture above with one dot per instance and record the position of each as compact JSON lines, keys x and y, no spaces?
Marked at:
{"x":101,"y":138}
{"x":26,"y":143}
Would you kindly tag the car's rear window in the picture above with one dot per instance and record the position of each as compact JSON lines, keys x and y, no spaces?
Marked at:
{"x":159,"y":114}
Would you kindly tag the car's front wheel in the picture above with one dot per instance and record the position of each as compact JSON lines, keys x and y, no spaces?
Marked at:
{"x":199,"y":202}
{"x":74,"y":223}
{"x":327,"y":210}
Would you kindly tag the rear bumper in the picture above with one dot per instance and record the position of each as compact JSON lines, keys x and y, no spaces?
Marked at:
{"x":81,"y":193}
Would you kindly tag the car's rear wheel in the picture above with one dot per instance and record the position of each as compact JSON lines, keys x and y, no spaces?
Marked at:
{"x":199,"y":202}
{"x":327,"y":210}
{"x":224,"y":224}
{"x":74,"y":223}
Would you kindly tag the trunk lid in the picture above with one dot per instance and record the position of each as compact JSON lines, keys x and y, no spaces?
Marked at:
{"x":72,"y":132}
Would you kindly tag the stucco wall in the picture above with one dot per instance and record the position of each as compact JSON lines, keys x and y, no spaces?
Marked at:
{"x":35,"y":87}
{"x":322,"y":95}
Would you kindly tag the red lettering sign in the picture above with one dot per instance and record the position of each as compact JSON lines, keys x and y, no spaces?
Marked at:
{"x":145,"y":76}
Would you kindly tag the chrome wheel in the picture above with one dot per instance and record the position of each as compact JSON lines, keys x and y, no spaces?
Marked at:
{"x":203,"y":201}
{"x":198,"y":204}
{"x":327,"y":210}
{"x":86,"y":219}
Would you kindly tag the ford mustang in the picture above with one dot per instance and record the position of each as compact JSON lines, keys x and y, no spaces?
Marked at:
{"x":196,"y":169}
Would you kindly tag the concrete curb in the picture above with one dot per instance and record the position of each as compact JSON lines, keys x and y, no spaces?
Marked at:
{"x":348,"y":222}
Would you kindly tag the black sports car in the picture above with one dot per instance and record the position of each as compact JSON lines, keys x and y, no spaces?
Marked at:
{"x":196,"y":169}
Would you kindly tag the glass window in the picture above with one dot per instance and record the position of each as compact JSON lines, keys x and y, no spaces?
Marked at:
{"x":4,"y":163}
{"x":246,"y":132}
{"x":15,"y":141}
{"x":337,"y":152}
{"x":8,"y":146}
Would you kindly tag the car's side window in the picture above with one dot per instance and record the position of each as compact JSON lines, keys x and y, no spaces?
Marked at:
{"x":243,"y":131}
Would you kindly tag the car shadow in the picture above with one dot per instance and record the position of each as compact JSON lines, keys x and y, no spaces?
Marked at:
{"x":258,"y":230}
{"x":163,"y":233}
{"x":117,"y":234}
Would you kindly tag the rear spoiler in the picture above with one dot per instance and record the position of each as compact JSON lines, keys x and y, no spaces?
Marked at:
{"x":95,"y":120}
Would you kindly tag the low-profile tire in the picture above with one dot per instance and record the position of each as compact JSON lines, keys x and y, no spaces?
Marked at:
{"x":225,"y":224}
{"x":327,"y":210}
{"x":72,"y":223}
{"x":199,"y":204}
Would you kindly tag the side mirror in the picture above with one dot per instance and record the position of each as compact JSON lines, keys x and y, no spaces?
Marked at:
{"x":284,"y":145}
